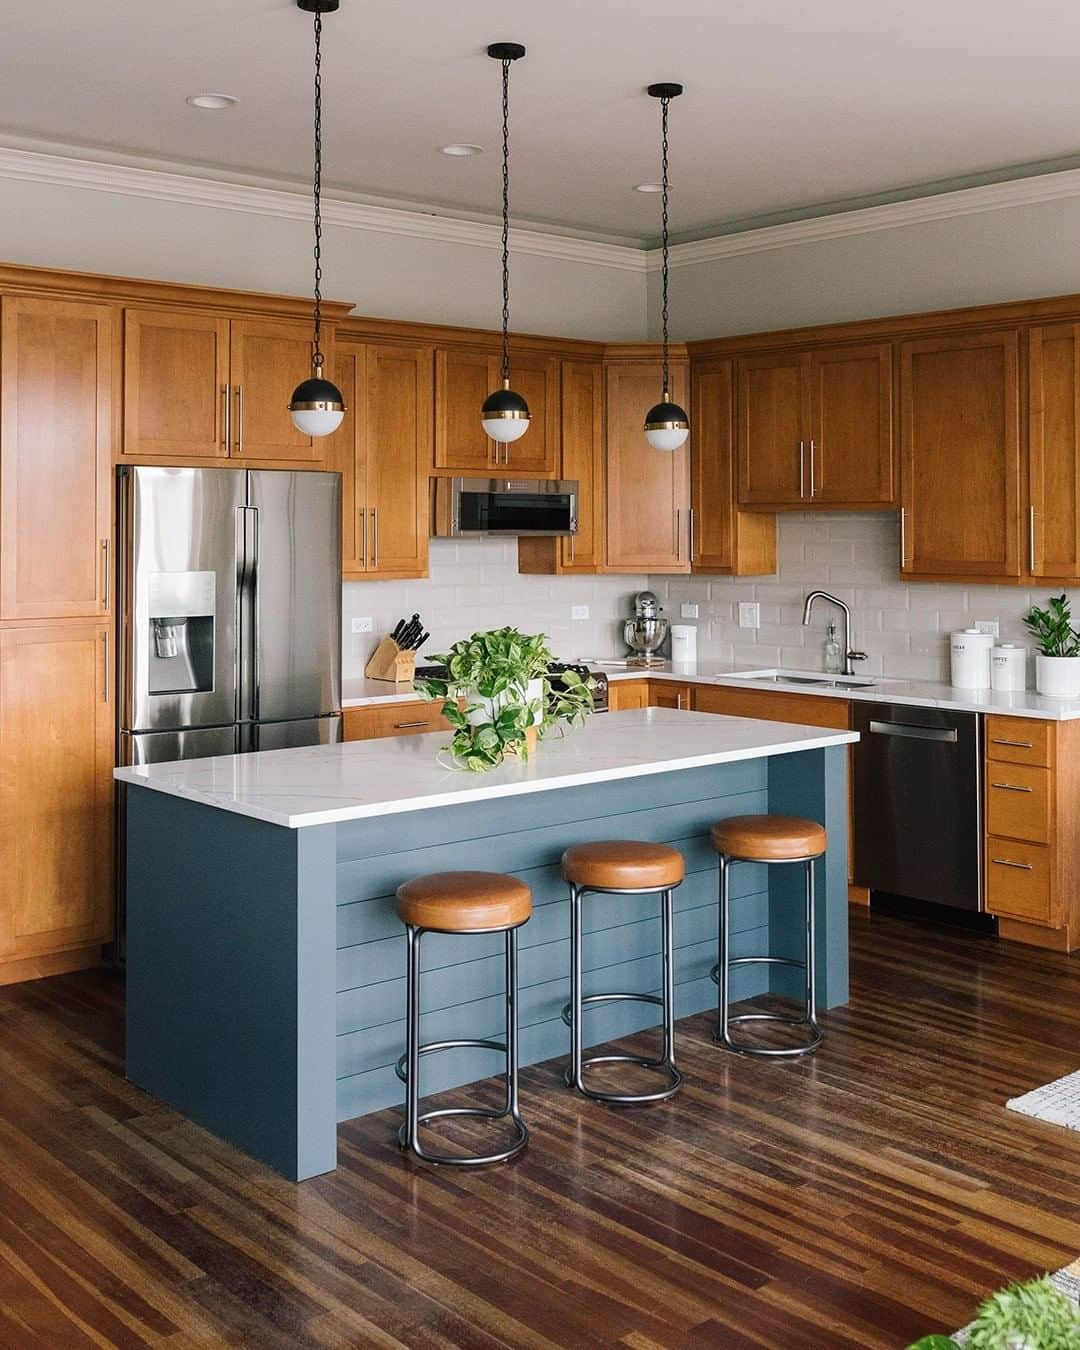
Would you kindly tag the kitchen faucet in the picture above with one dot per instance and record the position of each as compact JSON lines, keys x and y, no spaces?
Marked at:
{"x":849,"y":655}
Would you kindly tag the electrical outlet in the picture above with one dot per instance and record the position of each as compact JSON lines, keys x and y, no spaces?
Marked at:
{"x":363,"y":625}
{"x":688,"y":611}
{"x":988,"y":626}
{"x":579,"y":611}
{"x":749,"y":614}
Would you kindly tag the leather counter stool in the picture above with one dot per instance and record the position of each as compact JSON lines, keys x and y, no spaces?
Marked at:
{"x":461,"y":902}
{"x":766,"y":839}
{"x":622,"y":867}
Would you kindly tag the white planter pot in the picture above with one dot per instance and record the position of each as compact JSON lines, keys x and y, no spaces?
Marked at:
{"x":1057,"y":676}
{"x":488,"y":709}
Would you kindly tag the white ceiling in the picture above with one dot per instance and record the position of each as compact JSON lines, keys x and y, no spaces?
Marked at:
{"x":789,"y":107}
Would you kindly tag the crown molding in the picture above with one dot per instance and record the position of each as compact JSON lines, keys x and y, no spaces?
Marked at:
{"x":190,"y":190}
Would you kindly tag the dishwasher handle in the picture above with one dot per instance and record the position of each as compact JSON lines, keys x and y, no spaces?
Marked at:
{"x":913,"y":733}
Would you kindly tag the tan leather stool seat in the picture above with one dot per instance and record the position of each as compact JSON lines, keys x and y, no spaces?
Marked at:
{"x":769,"y":838}
{"x":464,"y":902}
{"x":623,"y":865}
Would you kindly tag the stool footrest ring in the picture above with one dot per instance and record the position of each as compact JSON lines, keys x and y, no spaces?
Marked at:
{"x":433,"y":1047}
{"x":816,"y":1036}
{"x":521,"y":1136}
{"x":790,"y":961}
{"x":626,"y":1098}
{"x":611,"y":998}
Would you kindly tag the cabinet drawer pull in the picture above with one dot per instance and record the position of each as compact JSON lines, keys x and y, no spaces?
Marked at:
{"x":1008,"y":862}
{"x":1019,"y":745}
{"x":408,"y":726}
{"x":1011,"y":787}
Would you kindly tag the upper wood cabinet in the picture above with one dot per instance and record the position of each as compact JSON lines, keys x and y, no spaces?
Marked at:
{"x":815,"y":428}
{"x":200,"y":386}
{"x":58,"y":399}
{"x":383,"y":451}
{"x":648,"y":491}
{"x":723,"y":539}
{"x":960,"y":449}
{"x":463,"y":380}
{"x":582,"y":410}
{"x":56,"y":789}
{"x":1053,"y":524}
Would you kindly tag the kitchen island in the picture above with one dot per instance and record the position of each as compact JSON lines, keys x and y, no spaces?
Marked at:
{"x":265,"y":963}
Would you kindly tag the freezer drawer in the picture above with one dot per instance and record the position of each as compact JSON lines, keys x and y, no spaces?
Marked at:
{"x":918,"y":803}
{"x":165,"y":747}
{"x":289,"y":735}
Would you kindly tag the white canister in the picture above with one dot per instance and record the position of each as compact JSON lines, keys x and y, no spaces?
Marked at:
{"x":1008,"y":668}
{"x":970,"y":652}
{"x":683,"y":644}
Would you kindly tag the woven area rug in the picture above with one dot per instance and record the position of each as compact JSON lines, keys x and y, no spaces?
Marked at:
{"x":1067,"y":1280}
{"x":1058,"y":1102}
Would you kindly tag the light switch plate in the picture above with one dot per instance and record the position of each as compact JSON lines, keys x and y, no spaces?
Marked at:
{"x":749,"y":614}
{"x":688,"y":611}
{"x":363,"y":625}
{"x":579,"y":611}
{"x":988,"y":626}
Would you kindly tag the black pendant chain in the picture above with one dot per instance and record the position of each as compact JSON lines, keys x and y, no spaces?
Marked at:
{"x":505,"y":218}
{"x":317,"y":356}
{"x":665,"y":103}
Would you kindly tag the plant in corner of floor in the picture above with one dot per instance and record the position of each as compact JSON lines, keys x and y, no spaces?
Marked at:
{"x":1032,"y":1316}
{"x":493,"y":672}
{"x":1052,"y":627}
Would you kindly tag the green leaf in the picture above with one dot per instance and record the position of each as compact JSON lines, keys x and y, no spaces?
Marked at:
{"x":934,"y":1343}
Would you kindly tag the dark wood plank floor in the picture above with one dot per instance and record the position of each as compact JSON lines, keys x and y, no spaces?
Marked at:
{"x":856,"y":1199}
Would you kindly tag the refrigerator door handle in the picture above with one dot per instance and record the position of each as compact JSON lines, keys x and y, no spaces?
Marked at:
{"x":239,"y":625}
{"x":253,"y":567}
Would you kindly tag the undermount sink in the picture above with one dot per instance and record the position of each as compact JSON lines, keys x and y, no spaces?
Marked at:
{"x":818,"y":678}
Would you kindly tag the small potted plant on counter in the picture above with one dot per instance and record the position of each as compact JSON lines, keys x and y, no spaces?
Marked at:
{"x":1032,"y":1316}
{"x":1057,"y":661}
{"x":508,"y":701}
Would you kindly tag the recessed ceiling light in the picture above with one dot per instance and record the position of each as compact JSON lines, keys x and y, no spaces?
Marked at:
{"x":212,"y":100}
{"x":461,"y":150}
{"x":649,"y":187}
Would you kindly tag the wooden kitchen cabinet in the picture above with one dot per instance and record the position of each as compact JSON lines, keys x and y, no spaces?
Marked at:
{"x":669,"y":694}
{"x":723,"y":539}
{"x":382,"y":450}
{"x":463,"y":380}
{"x":59,"y":398}
{"x":648,"y":491}
{"x":56,"y":749}
{"x":407,"y":718}
{"x":1053,"y":524}
{"x":815,"y":428}
{"x":201,"y":386}
{"x":624,"y":695}
{"x":811,"y":710}
{"x":960,"y":453}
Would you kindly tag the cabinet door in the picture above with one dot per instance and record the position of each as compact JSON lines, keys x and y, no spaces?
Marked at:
{"x":850,"y":452}
{"x":56,"y":752}
{"x":1054,"y":451}
{"x":667,"y":694}
{"x":582,"y":408}
{"x":57,"y":418}
{"x":624,"y":695}
{"x":345,"y":452}
{"x":772,"y":430}
{"x":648,"y":491}
{"x":268,"y":358}
{"x":463,"y":380}
{"x":960,"y":449}
{"x":176,"y":384}
{"x":397,"y":434}
{"x":536,"y":454}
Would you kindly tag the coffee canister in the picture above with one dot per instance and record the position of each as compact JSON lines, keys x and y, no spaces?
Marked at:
{"x":683,"y":644}
{"x":1008,"y":668}
{"x":970,"y":651}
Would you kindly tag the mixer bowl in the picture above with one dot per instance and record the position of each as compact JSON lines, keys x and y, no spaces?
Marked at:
{"x":645,"y":636}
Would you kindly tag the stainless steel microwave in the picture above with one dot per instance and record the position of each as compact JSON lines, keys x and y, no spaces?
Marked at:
{"x":504,"y":506}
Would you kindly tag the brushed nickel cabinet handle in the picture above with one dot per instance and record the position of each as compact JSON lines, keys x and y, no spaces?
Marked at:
{"x":408,"y":726}
{"x":1011,"y":787}
{"x":813,"y":489}
{"x":1008,"y":862}
{"x":375,"y":537}
{"x":361,"y":527}
{"x":105,"y":579}
{"x":678,"y":535}
{"x":1020,"y":745}
{"x":226,"y":416}
{"x":239,"y":419}
{"x":802,"y":470}
{"x":1031,"y":540}
{"x":903,"y":539}
{"x":691,"y":515}
{"x":104,"y":667}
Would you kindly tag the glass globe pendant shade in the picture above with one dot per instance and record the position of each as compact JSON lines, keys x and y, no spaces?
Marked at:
{"x":666,"y":426}
{"x":504,"y":415}
{"x":317,"y":406}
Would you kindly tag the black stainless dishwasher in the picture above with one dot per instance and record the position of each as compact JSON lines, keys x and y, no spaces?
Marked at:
{"x":918,"y":803}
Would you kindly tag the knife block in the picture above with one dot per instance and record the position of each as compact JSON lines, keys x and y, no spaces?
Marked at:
{"x":389,"y":662}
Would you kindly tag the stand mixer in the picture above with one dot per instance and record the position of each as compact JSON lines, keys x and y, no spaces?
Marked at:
{"x":646,"y":632}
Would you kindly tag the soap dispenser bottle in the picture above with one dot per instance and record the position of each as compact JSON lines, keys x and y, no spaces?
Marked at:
{"x":834,"y":657}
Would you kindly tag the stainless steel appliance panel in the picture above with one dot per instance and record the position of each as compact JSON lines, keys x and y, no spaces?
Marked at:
{"x":289,"y":735}
{"x":164,"y":747}
{"x":918,"y":803}
{"x":178,"y":583}
{"x":294,"y":522}
{"x":509,"y":507}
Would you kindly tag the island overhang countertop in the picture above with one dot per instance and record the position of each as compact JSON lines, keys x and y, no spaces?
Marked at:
{"x":329,"y":784}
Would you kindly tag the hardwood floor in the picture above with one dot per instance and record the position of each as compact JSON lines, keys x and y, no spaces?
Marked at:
{"x":856,"y":1199}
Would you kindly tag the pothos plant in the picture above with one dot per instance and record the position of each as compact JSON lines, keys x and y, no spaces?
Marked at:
{"x":502,"y":675}
{"x":1032,"y":1316}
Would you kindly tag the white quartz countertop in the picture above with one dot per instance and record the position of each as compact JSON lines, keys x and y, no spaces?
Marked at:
{"x":918,"y":693}
{"x":320,"y":785}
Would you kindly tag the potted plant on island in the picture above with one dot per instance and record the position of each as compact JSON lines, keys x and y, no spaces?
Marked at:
{"x":502,"y":677}
{"x":1057,"y":661}
{"x":1032,"y":1316}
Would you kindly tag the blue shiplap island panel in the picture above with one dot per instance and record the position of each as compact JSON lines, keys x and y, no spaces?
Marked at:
{"x":266,"y":966}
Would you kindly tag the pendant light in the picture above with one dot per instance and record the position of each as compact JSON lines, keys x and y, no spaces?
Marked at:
{"x":504,"y":414}
{"x":317,"y":406}
{"x":666,"y":424}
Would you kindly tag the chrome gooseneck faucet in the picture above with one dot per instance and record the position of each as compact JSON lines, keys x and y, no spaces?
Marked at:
{"x":849,"y":655}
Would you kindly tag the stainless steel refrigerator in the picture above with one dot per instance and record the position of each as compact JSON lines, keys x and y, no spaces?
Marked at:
{"x":230,"y":582}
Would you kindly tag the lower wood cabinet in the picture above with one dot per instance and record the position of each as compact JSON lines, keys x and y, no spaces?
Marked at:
{"x":808,"y":709}
{"x":57,"y":708}
{"x":376,"y":720}
{"x":669,"y":694}
{"x":624,"y":695}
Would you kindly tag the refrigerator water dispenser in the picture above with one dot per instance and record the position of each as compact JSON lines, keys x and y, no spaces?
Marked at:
{"x":181,"y":632}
